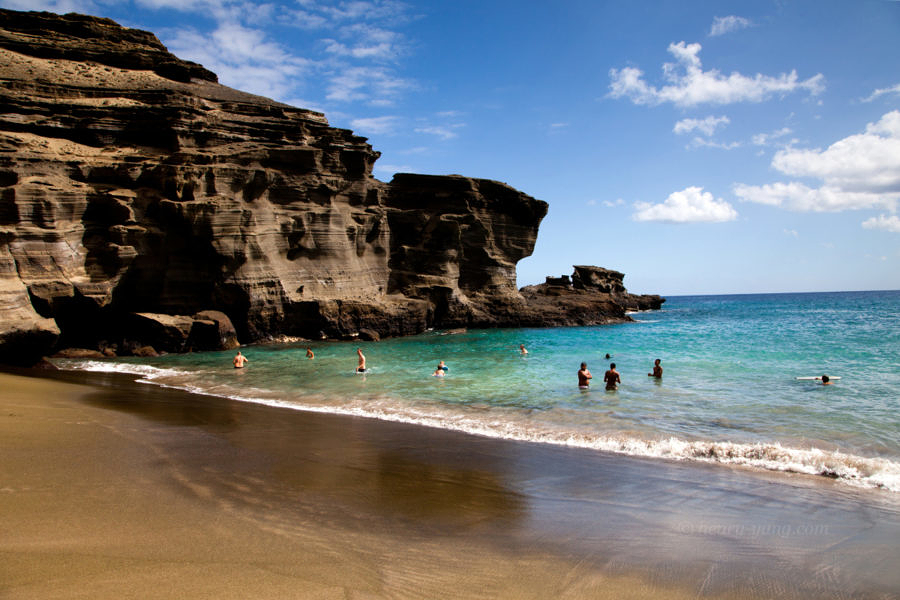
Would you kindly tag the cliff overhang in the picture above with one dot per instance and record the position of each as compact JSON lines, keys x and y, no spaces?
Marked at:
{"x":144,"y":204}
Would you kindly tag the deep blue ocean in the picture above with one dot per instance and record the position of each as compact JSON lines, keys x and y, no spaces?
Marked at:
{"x":729,"y":391}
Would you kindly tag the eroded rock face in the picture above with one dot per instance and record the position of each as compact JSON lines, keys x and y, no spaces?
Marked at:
{"x":591,"y":296}
{"x":136,"y":193}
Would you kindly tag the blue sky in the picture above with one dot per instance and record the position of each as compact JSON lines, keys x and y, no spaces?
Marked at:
{"x":699,"y":147}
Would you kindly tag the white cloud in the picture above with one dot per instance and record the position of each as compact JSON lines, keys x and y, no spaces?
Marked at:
{"x":373,"y":84}
{"x":791,"y":232}
{"x":375,"y":125}
{"x":242,"y":58}
{"x":699,"y":142}
{"x":689,"y":85}
{"x":766,"y":139}
{"x":707,"y":125}
{"x":691,"y":205}
{"x":802,"y":198}
{"x":369,"y":42}
{"x":887,"y":223}
{"x":348,"y":63}
{"x":445,"y":132}
{"x":859,"y":171}
{"x":56,"y":6}
{"x":357,"y":10}
{"x":883,"y":92}
{"x":723,"y":25}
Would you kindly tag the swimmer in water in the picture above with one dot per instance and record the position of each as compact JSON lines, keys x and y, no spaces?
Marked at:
{"x":612,"y":378}
{"x":657,"y":370}
{"x":239,"y":360}
{"x":361,"y":366}
{"x":584,"y":377}
{"x":309,"y":353}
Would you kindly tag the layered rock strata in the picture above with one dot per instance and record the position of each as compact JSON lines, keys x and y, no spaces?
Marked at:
{"x":136,"y":193}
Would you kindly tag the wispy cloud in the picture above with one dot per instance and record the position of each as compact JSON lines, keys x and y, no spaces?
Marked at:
{"x":445,"y":132}
{"x":242,"y":57}
{"x":893,"y":90}
{"x":360,"y":84}
{"x":768,"y":139}
{"x":707,"y":125}
{"x":701,"y":142}
{"x":376,"y":125}
{"x":689,"y":85}
{"x":691,"y":205}
{"x":354,"y":60}
{"x":57,"y":6}
{"x":856,"y":172}
{"x":723,"y":25}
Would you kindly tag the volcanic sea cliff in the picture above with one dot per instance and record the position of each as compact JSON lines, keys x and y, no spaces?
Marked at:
{"x":142,"y":204}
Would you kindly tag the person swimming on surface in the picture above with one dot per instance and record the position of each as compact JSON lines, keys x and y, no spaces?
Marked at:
{"x":439,"y":372}
{"x":657,"y":370}
{"x":443,"y":367}
{"x":826,"y":380}
{"x":361,"y":365}
{"x":522,"y":350}
{"x":612,"y":378}
{"x":239,"y":360}
{"x":584,"y":377}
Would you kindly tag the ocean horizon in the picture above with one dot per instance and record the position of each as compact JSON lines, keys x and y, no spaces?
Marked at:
{"x":729,"y":394}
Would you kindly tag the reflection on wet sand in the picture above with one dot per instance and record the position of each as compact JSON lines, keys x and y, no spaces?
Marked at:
{"x":364,"y":507}
{"x":343,"y":463}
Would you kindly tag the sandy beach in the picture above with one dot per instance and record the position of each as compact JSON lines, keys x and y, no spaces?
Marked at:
{"x":112,"y":489}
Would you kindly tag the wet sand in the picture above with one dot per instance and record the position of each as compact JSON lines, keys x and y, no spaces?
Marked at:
{"x":112,"y":489}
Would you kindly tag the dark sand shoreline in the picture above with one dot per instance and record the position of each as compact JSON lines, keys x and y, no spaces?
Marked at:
{"x":109,"y":488}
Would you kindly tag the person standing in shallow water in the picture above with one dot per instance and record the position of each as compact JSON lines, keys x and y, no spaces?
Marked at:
{"x":657,"y":370}
{"x":239,"y":360}
{"x":612,"y":378}
{"x":309,"y":353}
{"x":584,"y":377}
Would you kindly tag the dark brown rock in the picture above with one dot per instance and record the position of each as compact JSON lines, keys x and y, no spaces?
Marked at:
{"x":135,"y":191}
{"x":78,"y":353}
{"x":369,"y":335}
{"x":216,"y":332}
{"x":592,"y":296}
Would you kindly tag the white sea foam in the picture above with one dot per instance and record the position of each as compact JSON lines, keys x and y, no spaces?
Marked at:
{"x":847,"y":468}
{"x":97,"y":366}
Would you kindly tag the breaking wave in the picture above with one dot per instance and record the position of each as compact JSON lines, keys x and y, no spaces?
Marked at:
{"x":880,"y":473}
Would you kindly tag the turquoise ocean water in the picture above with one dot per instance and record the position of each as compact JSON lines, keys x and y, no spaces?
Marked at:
{"x":729,"y":393}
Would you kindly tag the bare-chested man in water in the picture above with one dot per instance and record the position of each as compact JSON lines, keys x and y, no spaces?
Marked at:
{"x":612,"y":378}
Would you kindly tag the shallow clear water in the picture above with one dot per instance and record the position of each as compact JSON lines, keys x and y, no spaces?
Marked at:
{"x":728,"y":394}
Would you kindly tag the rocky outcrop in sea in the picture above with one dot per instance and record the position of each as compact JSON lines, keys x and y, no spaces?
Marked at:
{"x":144,"y":205}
